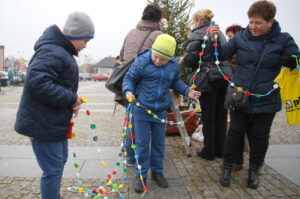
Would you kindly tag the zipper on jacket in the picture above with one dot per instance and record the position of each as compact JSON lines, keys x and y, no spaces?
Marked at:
{"x":162,"y":74}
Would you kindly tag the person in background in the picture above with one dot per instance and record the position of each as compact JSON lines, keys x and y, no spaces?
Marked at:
{"x":49,"y":99}
{"x":149,"y":79}
{"x":150,"y":21}
{"x":214,"y":115}
{"x":11,"y":76}
{"x":230,"y":32}
{"x":263,"y":34}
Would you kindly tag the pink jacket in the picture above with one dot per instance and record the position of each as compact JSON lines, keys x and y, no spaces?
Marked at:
{"x":135,"y":38}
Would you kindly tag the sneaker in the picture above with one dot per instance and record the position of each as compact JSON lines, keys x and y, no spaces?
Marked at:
{"x":160,"y":180}
{"x":138,"y":185}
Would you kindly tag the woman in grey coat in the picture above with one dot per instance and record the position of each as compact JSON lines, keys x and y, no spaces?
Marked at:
{"x":214,"y":115}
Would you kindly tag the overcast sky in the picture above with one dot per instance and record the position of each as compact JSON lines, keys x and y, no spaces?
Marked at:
{"x":23,"y":21}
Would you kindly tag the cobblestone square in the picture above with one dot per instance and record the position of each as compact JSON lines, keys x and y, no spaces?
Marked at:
{"x":196,"y":179}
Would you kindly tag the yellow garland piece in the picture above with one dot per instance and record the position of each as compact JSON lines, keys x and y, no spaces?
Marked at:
{"x":84,"y":99}
{"x":103,"y":164}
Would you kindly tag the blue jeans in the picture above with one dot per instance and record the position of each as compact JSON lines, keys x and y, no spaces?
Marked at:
{"x":130,"y":152}
{"x":11,"y":81}
{"x":150,"y":145}
{"x":51,"y":157}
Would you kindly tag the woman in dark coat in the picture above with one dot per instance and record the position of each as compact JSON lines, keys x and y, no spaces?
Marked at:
{"x":262,"y":34}
{"x":214,"y":115}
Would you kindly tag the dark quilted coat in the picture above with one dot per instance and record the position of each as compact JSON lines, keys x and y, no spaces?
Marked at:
{"x":151,"y":83}
{"x":249,"y":50}
{"x":50,"y":88}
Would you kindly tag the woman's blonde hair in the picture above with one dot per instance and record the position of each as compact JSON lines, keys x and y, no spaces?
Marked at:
{"x":204,"y":15}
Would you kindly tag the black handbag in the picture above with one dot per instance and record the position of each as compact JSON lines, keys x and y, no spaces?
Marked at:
{"x":115,"y":81}
{"x":235,"y":99}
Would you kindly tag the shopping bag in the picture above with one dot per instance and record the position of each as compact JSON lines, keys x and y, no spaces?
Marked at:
{"x":289,"y":83}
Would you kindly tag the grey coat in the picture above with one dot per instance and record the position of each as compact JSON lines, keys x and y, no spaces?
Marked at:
{"x":135,"y":38}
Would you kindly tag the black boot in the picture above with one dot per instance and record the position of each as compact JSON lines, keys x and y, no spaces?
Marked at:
{"x":225,"y":175}
{"x":160,"y":180}
{"x":253,"y":177}
{"x":138,"y":185}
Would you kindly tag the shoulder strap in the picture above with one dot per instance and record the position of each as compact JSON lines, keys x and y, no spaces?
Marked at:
{"x":144,"y":40}
{"x":259,"y":62}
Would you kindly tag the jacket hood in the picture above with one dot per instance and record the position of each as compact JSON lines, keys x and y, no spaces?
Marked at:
{"x":199,"y":32}
{"x":272,"y":34}
{"x":146,"y":25}
{"x":53,"y":35}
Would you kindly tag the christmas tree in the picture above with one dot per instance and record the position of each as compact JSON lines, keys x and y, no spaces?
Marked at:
{"x":176,"y":22}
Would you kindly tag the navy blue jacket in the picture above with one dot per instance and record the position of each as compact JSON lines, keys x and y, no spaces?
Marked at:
{"x":150,"y":84}
{"x":249,"y":49}
{"x":50,"y":88}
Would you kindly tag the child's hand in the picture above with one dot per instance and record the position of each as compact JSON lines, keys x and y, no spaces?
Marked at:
{"x":78,"y":101}
{"x":194,"y":94}
{"x":180,"y":61}
{"x":77,"y":105}
{"x":129,"y":95}
{"x":76,"y":110}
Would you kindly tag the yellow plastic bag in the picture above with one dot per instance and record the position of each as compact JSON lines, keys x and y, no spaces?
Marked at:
{"x":289,"y":83}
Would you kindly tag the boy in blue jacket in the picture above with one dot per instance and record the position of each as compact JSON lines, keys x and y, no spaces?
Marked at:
{"x":148,"y":81}
{"x":50,"y":99}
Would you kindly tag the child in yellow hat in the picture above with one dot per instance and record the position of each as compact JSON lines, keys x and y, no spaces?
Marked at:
{"x":148,"y":81}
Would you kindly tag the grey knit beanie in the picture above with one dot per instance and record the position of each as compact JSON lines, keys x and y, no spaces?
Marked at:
{"x":79,"y":26}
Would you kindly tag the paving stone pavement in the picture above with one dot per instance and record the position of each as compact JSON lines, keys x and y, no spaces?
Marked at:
{"x":189,"y":177}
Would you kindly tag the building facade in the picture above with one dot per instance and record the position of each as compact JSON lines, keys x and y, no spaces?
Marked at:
{"x":1,"y":58}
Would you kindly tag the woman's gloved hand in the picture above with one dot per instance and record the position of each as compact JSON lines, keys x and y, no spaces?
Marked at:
{"x":289,"y":62}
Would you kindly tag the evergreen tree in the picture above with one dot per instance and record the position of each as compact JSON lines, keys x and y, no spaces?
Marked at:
{"x":176,"y":22}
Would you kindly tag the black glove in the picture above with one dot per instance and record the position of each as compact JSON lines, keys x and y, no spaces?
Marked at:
{"x":289,"y":62}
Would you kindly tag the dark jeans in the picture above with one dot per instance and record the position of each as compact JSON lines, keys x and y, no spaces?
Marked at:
{"x":214,"y":117}
{"x":260,"y":125}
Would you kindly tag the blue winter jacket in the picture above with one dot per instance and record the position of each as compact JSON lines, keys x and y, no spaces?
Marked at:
{"x":249,"y":50}
{"x":150,"y":84}
{"x":50,"y":88}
